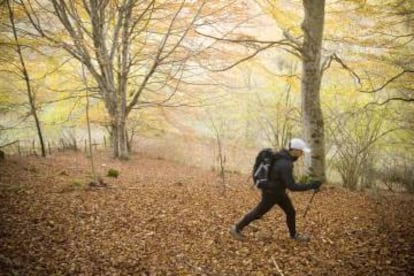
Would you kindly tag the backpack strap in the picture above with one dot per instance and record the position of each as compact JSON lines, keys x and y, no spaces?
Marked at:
{"x":261,"y":167}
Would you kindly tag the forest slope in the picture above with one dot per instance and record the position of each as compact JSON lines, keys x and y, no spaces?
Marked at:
{"x":163,"y":218}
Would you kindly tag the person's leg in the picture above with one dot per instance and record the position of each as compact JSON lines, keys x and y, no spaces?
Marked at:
{"x":266,"y":203}
{"x":286,"y":204}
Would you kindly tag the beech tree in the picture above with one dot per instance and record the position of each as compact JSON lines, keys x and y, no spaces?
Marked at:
{"x":308,"y":48}
{"x":128,"y":47}
{"x":312,"y":71}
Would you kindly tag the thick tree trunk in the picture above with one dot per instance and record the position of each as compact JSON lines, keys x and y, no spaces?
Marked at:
{"x":312,"y":27}
{"x":119,"y":134}
{"x":123,"y":152}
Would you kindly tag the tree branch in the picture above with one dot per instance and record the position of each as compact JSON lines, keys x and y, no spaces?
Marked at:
{"x":388,"y":81}
{"x":253,"y":44}
{"x":8,"y":144}
{"x":346,"y":67}
{"x":156,"y":61}
{"x":243,"y":59}
{"x":391,"y":99}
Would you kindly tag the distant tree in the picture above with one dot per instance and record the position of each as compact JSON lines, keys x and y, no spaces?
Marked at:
{"x":356,"y":137}
{"x":88,"y":124}
{"x":218,"y":129}
{"x":26,"y":76}
{"x":277,"y":119}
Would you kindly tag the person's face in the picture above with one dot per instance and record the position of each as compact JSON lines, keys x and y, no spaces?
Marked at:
{"x":296,"y":153}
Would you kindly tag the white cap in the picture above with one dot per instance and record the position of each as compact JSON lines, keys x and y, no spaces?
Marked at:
{"x":299,"y":144}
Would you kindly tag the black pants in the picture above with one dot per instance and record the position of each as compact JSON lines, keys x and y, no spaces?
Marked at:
{"x":269,"y":199}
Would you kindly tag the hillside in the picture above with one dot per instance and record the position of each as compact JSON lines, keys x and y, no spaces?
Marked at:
{"x":163,"y":218}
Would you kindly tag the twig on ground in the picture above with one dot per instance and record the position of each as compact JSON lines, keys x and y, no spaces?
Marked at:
{"x":197,"y":268}
{"x":277,"y":267}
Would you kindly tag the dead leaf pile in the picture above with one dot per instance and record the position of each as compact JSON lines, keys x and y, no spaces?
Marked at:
{"x":162,"y":218}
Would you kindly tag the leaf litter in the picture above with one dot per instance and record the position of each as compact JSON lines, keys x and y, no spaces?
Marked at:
{"x":162,"y":218}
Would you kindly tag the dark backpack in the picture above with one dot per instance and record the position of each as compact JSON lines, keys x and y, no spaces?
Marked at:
{"x":262,"y":167}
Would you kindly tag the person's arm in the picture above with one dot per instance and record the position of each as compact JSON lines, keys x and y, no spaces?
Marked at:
{"x":286,"y":175}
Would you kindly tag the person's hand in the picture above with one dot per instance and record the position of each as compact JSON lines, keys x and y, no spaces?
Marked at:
{"x":315,"y":184}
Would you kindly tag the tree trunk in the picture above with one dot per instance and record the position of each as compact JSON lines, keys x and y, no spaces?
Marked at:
{"x":312,"y":27}
{"x":88,"y":124}
{"x":123,"y":152}
{"x":33,"y":108}
{"x":119,"y":136}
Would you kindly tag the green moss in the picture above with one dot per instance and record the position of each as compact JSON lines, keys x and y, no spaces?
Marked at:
{"x":113,"y":173}
{"x":76,"y":184}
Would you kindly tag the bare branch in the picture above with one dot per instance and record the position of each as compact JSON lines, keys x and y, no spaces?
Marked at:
{"x":156,"y":62}
{"x":189,"y":26}
{"x":294,"y":40}
{"x":253,"y":43}
{"x":390,"y":100}
{"x":8,"y":144}
{"x":243,"y":59}
{"x":346,"y":67}
{"x":389,"y":81}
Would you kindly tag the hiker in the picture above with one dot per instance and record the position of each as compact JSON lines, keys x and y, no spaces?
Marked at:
{"x":274,"y":192}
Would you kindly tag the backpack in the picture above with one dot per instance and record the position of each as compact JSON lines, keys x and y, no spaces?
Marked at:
{"x":261,"y":168}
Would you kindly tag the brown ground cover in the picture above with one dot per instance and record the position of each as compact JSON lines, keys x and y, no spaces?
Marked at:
{"x":162,"y":218}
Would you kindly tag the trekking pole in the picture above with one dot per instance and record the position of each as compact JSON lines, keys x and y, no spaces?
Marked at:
{"x":309,"y":203}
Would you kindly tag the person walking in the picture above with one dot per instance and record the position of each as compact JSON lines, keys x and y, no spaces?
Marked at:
{"x":274,"y":192}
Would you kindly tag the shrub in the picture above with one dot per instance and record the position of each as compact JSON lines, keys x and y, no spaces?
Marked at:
{"x":399,"y":174}
{"x":112,"y":173}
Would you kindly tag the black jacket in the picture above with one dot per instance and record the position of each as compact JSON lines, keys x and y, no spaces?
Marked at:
{"x":281,"y":174}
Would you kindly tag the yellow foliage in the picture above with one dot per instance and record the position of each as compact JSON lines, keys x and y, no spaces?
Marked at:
{"x":287,"y":14}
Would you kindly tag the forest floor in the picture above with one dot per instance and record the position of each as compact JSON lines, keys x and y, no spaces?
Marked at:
{"x":162,"y":218}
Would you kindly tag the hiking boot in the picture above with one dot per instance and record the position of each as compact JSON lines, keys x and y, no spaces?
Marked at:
{"x":301,"y":238}
{"x":236,"y":233}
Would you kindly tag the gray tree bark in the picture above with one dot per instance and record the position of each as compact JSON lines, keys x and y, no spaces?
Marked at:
{"x":313,"y":122}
